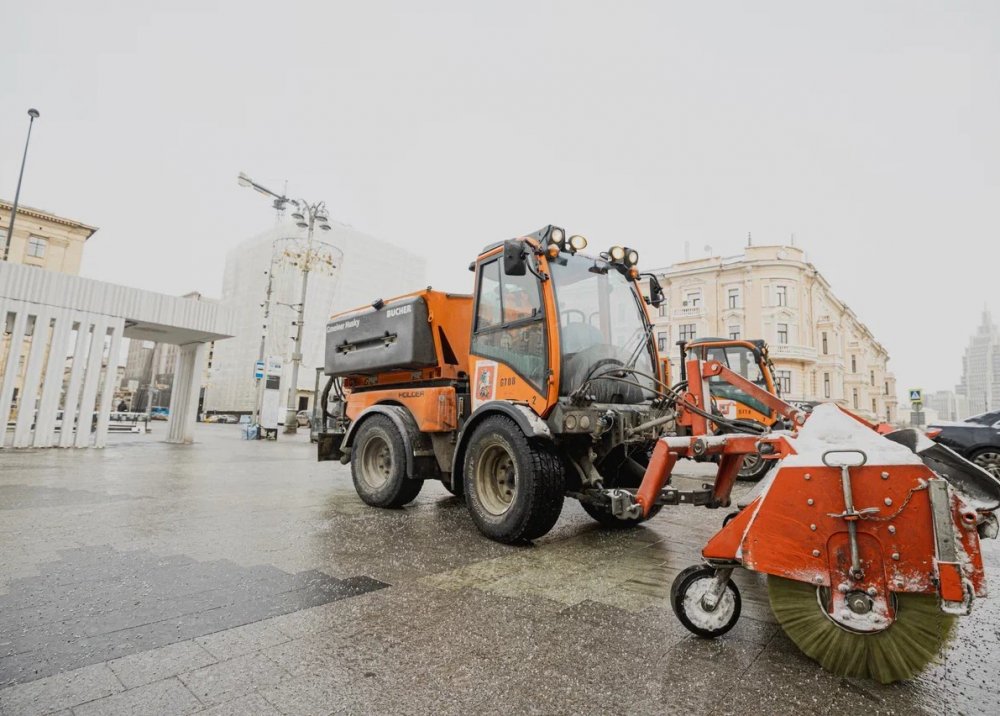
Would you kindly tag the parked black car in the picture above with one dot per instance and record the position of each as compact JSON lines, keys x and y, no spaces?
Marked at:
{"x":976,"y":439}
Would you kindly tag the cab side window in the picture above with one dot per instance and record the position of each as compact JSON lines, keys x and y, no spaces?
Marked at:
{"x":509,"y":322}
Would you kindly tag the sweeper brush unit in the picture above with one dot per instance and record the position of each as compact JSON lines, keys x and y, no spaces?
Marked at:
{"x":870,"y":542}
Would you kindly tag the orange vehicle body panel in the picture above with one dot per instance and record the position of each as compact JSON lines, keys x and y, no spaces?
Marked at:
{"x":434,"y":409}
{"x":788,"y":531}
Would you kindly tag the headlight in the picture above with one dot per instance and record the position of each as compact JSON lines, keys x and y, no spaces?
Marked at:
{"x":633,"y":257}
{"x":617,"y":253}
{"x":577,"y":242}
{"x":570,"y":422}
{"x":557,"y":235}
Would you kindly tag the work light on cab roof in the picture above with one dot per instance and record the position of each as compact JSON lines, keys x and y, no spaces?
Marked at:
{"x":624,"y":256}
{"x":557,"y":242}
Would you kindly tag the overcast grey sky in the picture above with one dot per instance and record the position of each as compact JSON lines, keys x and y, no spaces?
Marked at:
{"x":867,"y":129}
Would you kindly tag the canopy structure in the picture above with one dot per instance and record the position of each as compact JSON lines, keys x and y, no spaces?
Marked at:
{"x":59,"y":353}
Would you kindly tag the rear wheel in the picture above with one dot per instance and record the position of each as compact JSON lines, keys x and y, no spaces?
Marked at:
{"x":378,"y":464}
{"x":514,"y":487}
{"x":603,"y":515}
{"x":754,"y":468}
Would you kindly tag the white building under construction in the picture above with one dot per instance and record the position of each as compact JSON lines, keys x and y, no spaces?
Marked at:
{"x":347,"y":268}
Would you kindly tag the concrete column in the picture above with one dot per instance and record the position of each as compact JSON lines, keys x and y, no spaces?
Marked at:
{"x":184,"y":397}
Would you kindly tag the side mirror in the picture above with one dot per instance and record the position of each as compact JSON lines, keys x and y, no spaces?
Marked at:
{"x":514,"y":261}
{"x":656,"y":296}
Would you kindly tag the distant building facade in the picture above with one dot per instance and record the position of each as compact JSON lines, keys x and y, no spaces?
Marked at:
{"x":821,"y":350}
{"x":43,"y":239}
{"x":946,"y":405}
{"x":348,"y":269}
{"x":980,"y":384}
{"x":148,"y":375}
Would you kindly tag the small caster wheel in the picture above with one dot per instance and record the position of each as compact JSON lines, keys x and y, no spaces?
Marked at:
{"x":687,"y":598}
{"x":729,"y":518}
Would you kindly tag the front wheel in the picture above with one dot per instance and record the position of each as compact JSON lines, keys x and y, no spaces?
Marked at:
{"x":513,"y":486}
{"x":687,"y":597}
{"x":378,"y":464}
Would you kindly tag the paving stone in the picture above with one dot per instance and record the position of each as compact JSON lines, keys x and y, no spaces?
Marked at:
{"x":241,"y":640}
{"x":230,"y":679}
{"x":249,"y":705}
{"x":155,"y":664}
{"x":162,"y":697}
{"x":60,"y":691}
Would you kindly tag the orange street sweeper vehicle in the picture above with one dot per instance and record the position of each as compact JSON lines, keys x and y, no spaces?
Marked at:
{"x":542,"y":384}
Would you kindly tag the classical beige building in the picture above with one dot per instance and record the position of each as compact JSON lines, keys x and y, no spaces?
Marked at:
{"x":820,"y":349}
{"x":43,"y":239}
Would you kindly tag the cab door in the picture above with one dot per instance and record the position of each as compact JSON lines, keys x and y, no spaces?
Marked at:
{"x":510,"y":347}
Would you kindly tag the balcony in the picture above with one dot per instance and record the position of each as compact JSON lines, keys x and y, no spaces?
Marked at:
{"x":789,"y":351}
{"x":688,"y":312}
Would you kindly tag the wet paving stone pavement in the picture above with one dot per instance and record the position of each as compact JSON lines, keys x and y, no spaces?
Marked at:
{"x":230,"y":577}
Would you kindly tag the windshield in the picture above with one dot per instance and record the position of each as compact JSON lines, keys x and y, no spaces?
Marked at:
{"x":600,"y":323}
{"x":739,"y":359}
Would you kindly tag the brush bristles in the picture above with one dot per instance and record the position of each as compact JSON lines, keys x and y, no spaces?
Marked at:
{"x":900,"y":652}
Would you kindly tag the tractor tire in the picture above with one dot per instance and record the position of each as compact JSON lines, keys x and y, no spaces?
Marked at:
{"x":514,"y":487}
{"x":754,"y":468}
{"x":378,"y":465}
{"x":604,"y":516}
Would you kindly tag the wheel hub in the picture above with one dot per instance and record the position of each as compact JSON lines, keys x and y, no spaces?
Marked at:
{"x":989,"y":461}
{"x":496,"y":479}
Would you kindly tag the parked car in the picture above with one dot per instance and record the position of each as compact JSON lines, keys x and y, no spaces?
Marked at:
{"x":303,"y":417}
{"x":976,"y":439}
{"x":227,"y":419}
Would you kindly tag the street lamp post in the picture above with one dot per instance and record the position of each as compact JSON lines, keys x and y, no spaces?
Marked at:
{"x":33,"y":113}
{"x":307,"y":216}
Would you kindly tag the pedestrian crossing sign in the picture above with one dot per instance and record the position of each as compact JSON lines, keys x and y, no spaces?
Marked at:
{"x":916,"y":395}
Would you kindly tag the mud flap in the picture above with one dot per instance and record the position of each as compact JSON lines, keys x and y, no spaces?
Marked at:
{"x":328,"y":446}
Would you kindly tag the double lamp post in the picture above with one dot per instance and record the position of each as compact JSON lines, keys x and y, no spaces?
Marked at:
{"x":307,"y":216}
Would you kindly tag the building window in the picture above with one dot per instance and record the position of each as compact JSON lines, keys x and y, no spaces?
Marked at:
{"x":784,"y":381}
{"x":855,"y":397}
{"x":874,"y":406}
{"x":661,"y":341}
{"x":888,"y":415}
{"x":692,"y":299}
{"x":36,"y":247}
{"x":887,"y":387}
{"x":854,"y":364}
{"x":688,"y":332}
{"x":826,"y":347}
{"x":826,"y":385}
{"x":873,"y":377}
{"x":663,"y":310}
{"x":782,"y":333}
{"x":734,"y":298}
{"x":781,"y":295}
{"x":734,"y":333}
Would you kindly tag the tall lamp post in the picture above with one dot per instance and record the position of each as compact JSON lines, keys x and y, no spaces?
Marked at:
{"x":33,"y":113}
{"x":307,"y":216}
